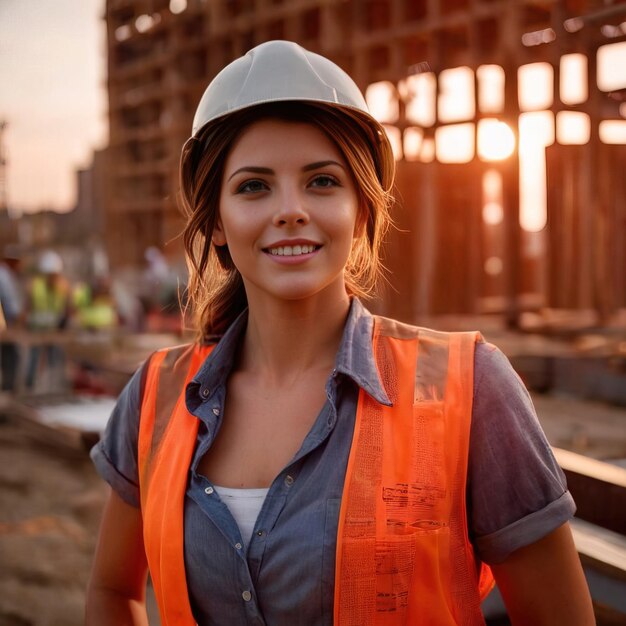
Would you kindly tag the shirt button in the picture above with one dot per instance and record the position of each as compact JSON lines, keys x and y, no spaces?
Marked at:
{"x":289,"y":481}
{"x":208,"y":491}
{"x":216,"y":411}
{"x":238,"y":546}
{"x":205,"y":393}
{"x":246,"y":595}
{"x":260,"y":533}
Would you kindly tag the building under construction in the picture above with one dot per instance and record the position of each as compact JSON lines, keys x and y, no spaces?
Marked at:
{"x":507,"y":119}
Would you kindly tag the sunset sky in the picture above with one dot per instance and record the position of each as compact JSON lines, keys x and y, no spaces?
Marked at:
{"x":52,"y":72}
{"x":53,"y":95}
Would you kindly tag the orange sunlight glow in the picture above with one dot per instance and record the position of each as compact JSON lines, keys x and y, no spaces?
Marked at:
{"x":496,"y":140}
{"x":456,"y":95}
{"x":145,"y":22}
{"x":382,"y":101}
{"x":177,"y":6}
{"x":535,"y":86}
{"x":427,"y":153}
{"x":413,"y":138}
{"x":455,"y":143}
{"x":611,"y":66}
{"x":493,"y":266}
{"x":493,"y":213}
{"x":573,"y":78}
{"x":450,"y":97}
{"x":572,"y":128}
{"x":419,"y":92}
{"x":613,"y":131}
{"x":123,"y":32}
{"x":490,"y":88}
{"x":536,"y":131}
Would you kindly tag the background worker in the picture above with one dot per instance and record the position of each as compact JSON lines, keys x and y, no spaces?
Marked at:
{"x":12,"y":310}
{"x":93,"y":305}
{"x":47,"y":311}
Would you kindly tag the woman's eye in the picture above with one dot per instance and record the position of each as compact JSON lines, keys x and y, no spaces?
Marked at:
{"x":251,"y":186}
{"x":325,"y":181}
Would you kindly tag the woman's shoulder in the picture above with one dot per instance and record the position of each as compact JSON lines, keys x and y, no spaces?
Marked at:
{"x":173,"y":355}
{"x":401,"y":330}
{"x":493,"y":370}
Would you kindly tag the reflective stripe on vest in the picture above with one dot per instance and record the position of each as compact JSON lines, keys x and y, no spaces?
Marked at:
{"x":403,"y":553}
{"x":167,"y":437}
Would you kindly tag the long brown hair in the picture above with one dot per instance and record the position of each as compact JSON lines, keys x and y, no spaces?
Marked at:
{"x":216,"y":291}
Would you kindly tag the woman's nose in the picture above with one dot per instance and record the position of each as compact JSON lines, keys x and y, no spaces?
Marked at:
{"x":291,"y":211}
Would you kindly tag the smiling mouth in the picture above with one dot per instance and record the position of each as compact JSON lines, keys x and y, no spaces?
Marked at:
{"x":296,"y":250}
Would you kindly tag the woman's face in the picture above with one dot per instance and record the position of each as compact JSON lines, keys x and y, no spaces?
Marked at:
{"x":288,"y":211}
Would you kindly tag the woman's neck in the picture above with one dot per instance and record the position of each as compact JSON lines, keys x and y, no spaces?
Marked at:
{"x":287,"y":339}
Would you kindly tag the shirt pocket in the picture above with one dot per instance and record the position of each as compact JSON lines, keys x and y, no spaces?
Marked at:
{"x":329,"y":552}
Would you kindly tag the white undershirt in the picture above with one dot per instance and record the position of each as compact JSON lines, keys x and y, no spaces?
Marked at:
{"x":245,"y":506}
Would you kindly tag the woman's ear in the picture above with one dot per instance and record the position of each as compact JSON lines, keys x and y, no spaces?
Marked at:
{"x":218,"y":237}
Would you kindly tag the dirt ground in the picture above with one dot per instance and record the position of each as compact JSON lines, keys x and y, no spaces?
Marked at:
{"x":50,"y":504}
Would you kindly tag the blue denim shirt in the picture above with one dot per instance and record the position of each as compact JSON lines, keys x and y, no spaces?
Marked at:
{"x":287,"y":574}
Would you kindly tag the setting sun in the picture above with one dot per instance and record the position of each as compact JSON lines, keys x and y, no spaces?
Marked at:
{"x":496,"y":140}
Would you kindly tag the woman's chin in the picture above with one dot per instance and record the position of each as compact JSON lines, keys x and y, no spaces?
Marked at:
{"x":296,"y":291}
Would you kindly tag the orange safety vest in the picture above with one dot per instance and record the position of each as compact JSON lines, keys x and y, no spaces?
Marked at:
{"x":403,"y":552}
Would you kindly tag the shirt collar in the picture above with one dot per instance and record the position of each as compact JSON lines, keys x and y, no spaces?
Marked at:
{"x":355,"y":357}
{"x":356,"y":353}
{"x":217,"y":366}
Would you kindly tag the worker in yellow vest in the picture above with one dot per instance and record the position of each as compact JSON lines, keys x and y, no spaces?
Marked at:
{"x":48,"y":310}
{"x":93,"y":306}
{"x":48,"y":295}
{"x":304,"y":461}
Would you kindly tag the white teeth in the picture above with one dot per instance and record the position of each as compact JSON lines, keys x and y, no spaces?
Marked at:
{"x":291,"y":250}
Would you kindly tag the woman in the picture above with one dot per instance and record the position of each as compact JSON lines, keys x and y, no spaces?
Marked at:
{"x":305,"y":462}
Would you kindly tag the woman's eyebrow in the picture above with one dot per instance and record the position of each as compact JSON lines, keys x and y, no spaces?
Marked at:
{"x":320,"y":164}
{"x":253,"y":169}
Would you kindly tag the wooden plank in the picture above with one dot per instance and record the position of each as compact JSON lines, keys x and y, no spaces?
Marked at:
{"x":600,"y":548}
{"x":598,"y":470}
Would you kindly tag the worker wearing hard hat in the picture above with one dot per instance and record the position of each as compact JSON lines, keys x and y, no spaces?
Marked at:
{"x":48,"y":307}
{"x":48,"y":295}
{"x":304,"y":461}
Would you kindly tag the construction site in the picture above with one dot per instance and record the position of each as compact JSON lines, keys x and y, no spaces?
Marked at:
{"x":508,"y":124}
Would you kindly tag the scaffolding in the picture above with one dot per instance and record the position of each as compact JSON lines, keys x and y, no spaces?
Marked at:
{"x":445,"y":258}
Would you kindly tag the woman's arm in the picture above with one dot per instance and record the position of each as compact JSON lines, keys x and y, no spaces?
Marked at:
{"x":117,"y":590}
{"x":543,"y":583}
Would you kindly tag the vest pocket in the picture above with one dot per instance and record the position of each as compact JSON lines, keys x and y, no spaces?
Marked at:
{"x":410,"y":566}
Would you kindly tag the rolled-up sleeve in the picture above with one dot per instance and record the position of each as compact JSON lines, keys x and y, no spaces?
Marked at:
{"x":517,"y":493}
{"x":115,"y":455}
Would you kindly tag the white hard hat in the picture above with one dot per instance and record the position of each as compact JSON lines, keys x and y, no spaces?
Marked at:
{"x":50,"y":263}
{"x":272,"y":72}
{"x":283,"y":71}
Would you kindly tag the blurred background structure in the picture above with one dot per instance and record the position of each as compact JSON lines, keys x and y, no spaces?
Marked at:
{"x":508,"y":120}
